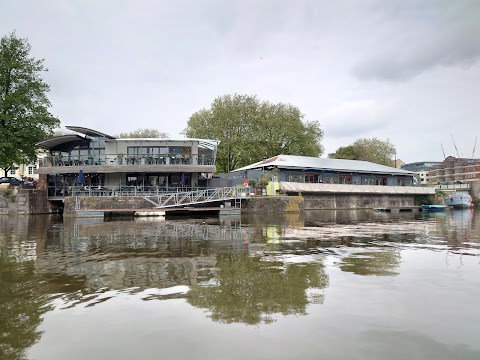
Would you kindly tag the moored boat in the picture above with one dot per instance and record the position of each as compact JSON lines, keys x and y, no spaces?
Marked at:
{"x":459,"y":201}
{"x":434,"y":207}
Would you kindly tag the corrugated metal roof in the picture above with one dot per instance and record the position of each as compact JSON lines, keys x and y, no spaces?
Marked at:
{"x":316,"y":163}
{"x":88,"y":132}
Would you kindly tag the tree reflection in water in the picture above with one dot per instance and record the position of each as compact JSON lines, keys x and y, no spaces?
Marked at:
{"x":21,"y":307}
{"x":251,"y":290}
{"x":383,"y":262}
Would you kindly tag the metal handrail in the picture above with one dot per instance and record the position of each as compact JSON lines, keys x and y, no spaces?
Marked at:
{"x":452,"y":186}
{"x":138,"y":190}
{"x":162,"y":198}
{"x":197,"y":197}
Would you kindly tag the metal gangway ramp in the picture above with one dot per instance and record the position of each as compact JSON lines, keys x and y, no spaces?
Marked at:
{"x":183,"y":198}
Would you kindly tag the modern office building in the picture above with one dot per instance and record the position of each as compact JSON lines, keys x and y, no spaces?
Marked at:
{"x":421,"y":168}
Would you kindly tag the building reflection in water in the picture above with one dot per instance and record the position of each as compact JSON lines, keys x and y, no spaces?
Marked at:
{"x":207,"y":256}
{"x":458,"y":228}
{"x":247,"y":269}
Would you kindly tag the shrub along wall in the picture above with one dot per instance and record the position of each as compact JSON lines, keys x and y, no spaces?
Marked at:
{"x":274,"y":204}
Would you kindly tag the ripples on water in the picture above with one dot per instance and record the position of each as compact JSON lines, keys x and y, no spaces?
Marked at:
{"x":335,"y":283}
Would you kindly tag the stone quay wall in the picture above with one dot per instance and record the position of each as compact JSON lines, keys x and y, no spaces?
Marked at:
{"x":317,"y":201}
{"x":256,"y":204}
{"x":73,"y":203}
{"x":35,"y":201}
{"x":24,"y":201}
{"x":475,"y":190}
{"x":356,"y":201}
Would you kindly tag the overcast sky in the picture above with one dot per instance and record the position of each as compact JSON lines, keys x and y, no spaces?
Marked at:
{"x":404,"y":70}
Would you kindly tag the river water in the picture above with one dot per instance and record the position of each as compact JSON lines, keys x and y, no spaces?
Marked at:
{"x":323,"y":285}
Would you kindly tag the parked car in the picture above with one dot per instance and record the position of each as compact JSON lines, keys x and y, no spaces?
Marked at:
{"x":13,"y":181}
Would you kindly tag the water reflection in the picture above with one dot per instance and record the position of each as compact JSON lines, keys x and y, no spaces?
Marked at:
{"x":92,"y":258}
{"x":457,"y":229}
{"x":251,"y":290}
{"x":463,"y":218}
{"x":21,"y":307}
{"x":381,"y":262}
{"x":252,"y":270}
{"x":391,"y":344}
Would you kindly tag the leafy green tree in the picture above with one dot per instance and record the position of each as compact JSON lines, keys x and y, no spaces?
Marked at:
{"x":373,"y":150}
{"x":249,"y":129}
{"x":144,"y":133}
{"x":344,"y":152}
{"x":24,"y":115}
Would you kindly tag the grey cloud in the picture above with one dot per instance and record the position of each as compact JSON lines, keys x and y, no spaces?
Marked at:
{"x":422,"y":38}
{"x":117,"y":64}
{"x":339,"y":131}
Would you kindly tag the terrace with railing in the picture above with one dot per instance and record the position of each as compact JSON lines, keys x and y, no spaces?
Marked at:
{"x":119,"y":159}
{"x":105,"y":190}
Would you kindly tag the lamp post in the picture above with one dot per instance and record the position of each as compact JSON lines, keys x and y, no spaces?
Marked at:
{"x":263,"y":167}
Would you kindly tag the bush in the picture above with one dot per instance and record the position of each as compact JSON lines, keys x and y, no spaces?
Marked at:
{"x":424,"y":200}
{"x":264,"y":180}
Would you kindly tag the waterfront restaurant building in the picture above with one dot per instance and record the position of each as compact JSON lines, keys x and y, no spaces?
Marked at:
{"x":303,"y":169}
{"x":91,"y":159}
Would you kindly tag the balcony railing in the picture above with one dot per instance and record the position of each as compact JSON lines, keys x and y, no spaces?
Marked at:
{"x":96,"y":190}
{"x":452,"y":187}
{"x":117,"y":159}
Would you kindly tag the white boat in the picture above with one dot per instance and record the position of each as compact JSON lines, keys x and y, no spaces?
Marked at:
{"x":459,"y":201}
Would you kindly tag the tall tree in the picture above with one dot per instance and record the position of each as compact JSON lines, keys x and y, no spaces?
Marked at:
{"x":24,"y":115}
{"x":344,"y":152}
{"x":144,"y":133}
{"x":249,"y":129}
{"x":373,"y":150}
